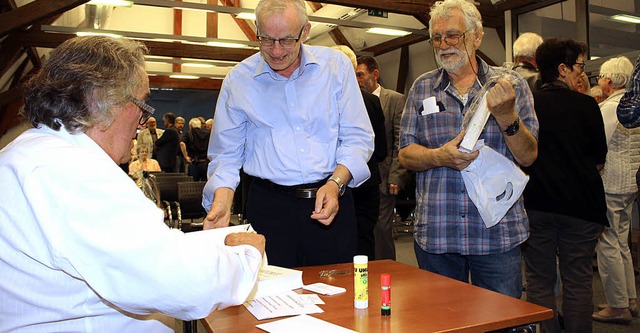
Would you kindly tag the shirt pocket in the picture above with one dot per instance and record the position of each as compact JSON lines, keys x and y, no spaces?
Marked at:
{"x":436,"y":129}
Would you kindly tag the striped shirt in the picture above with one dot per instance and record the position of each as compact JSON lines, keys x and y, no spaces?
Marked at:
{"x":629,"y":107}
{"x":446,"y":219}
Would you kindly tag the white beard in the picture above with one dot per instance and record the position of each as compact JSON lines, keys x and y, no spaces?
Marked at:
{"x":452,"y":64}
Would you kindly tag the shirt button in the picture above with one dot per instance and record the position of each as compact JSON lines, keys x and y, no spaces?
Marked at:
{"x":298,"y":129}
{"x":302,"y":150}
{"x":462,"y":215}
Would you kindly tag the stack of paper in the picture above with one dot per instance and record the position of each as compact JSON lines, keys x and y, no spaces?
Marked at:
{"x":274,"y":280}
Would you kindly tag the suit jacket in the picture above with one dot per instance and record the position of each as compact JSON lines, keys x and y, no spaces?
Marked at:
{"x":144,"y":138}
{"x":167,"y":148}
{"x":376,"y":116}
{"x":390,"y":170}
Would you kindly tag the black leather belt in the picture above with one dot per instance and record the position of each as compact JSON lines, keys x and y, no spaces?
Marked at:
{"x":303,"y":191}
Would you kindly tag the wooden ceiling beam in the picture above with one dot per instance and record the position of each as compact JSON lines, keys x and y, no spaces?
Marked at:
{"x":201,"y":83}
{"x":242,"y":24}
{"x":394,"y":44}
{"x":33,"y":13}
{"x":52,"y":40}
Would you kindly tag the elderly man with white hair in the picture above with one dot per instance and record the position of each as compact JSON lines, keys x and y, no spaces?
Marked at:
{"x":524,"y":57}
{"x":615,"y":263}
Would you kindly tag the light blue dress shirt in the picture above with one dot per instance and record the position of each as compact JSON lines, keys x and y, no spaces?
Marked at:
{"x":292,"y":130}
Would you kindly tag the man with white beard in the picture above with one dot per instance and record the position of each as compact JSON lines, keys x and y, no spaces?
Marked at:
{"x":450,"y":236}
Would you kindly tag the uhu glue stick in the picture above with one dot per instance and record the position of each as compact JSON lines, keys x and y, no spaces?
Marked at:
{"x":360,"y":282}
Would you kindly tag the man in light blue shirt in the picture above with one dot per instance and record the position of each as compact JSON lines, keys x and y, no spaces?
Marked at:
{"x":293,"y":118}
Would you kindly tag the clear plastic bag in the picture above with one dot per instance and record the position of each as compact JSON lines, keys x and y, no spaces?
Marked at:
{"x":478,"y":113}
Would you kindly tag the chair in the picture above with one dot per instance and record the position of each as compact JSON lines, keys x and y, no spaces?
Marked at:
{"x":168,"y":184}
{"x":190,"y":199}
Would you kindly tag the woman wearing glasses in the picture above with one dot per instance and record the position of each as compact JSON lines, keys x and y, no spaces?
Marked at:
{"x":564,"y":197}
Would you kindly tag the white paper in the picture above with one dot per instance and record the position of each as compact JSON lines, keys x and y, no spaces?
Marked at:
{"x":286,"y":304}
{"x":324,"y":289}
{"x":274,"y":280}
{"x":429,"y":106}
{"x":309,"y":299}
{"x":306,"y":324}
{"x":475,"y":126}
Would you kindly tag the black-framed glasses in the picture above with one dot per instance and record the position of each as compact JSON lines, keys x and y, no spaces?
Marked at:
{"x":287,"y":42}
{"x":581,"y":65}
{"x":450,"y":39}
{"x":147,"y":110}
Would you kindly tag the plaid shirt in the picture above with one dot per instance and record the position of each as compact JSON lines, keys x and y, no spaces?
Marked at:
{"x":629,"y":107}
{"x":446,"y":219}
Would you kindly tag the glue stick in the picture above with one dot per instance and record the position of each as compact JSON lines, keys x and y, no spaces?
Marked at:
{"x":360,"y":282}
{"x":385,"y":283}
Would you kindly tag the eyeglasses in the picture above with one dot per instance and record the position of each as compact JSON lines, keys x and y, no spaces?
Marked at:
{"x":450,"y":39}
{"x":581,"y":65}
{"x":147,"y":110}
{"x":288,"y":42}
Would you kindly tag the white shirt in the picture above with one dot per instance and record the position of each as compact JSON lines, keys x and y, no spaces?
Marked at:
{"x":83,"y":250}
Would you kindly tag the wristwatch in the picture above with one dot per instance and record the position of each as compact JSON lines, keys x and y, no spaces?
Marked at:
{"x":338,"y":181}
{"x":513,"y":128}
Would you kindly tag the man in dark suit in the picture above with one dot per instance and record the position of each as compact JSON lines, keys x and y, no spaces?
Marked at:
{"x":393,"y":176}
{"x":168,"y":144}
{"x":366,"y":197}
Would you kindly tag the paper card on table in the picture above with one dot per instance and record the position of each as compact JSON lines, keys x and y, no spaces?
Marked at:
{"x":309,"y":299}
{"x":324,"y":289}
{"x":302,"y":323}
{"x":275,"y":280}
{"x":279,"y":306}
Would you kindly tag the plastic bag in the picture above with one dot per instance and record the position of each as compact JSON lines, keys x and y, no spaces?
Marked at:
{"x":494,"y":183}
{"x":475,"y":118}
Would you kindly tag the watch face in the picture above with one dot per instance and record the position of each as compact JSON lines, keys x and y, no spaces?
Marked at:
{"x":513,"y":128}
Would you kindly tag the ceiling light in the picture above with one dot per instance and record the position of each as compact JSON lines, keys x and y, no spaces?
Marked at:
{"x":96,"y":33}
{"x":388,"y":32}
{"x":225,"y":44}
{"x":183,"y":76}
{"x":116,"y":3}
{"x":246,"y":16}
{"x":198,"y":65}
{"x":626,"y":18}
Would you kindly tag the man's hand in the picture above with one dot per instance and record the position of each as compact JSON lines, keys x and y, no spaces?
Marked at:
{"x":326,"y":203}
{"x":246,"y":238}
{"x":217,"y":217}
{"x":449,"y":156}
{"x":501,"y":101}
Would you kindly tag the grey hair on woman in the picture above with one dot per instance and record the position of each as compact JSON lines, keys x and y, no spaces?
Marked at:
{"x":83,"y":81}
{"x":618,"y":70}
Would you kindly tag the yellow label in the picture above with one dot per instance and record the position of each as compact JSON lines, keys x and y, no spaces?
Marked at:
{"x":361,"y":282}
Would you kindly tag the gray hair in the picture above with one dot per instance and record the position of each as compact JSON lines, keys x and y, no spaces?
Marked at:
{"x":83,"y":81}
{"x":195,"y":123}
{"x":526,"y":45}
{"x":444,"y":10}
{"x":618,"y":70}
{"x":348,"y":52}
{"x":266,"y":8}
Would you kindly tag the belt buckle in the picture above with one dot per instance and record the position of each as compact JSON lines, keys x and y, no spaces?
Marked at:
{"x":306,"y":193}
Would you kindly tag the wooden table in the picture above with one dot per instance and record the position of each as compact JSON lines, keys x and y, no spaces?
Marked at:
{"x":420,"y":302}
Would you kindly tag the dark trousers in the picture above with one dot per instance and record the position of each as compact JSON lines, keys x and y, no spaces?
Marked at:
{"x":573,"y":240}
{"x":198,"y":171}
{"x":366,"y":200}
{"x":293,"y":238}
